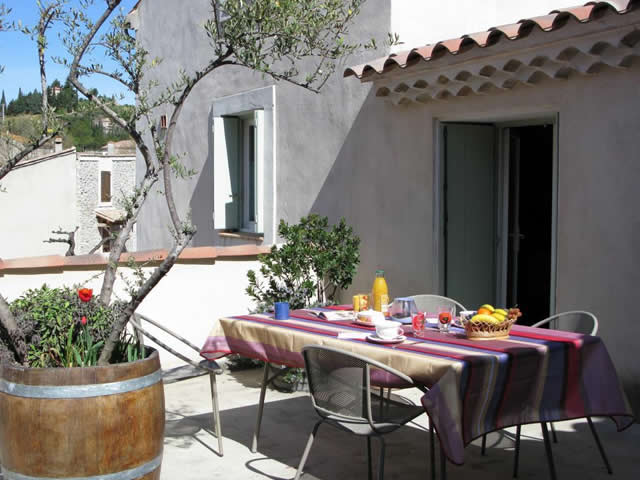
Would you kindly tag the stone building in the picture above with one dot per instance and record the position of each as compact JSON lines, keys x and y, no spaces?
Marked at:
{"x":65,"y":190}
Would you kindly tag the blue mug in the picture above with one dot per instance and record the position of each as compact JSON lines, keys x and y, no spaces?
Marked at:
{"x":282,"y":310}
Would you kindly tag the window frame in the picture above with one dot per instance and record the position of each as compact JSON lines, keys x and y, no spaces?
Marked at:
{"x":258,"y":105}
{"x":105,"y":165}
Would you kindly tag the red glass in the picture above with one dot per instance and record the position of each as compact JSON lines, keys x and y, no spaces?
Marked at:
{"x":417,"y":322}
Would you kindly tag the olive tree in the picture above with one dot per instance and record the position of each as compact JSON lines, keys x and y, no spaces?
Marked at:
{"x":267,"y":36}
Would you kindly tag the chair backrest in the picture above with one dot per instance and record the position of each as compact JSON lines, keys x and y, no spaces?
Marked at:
{"x":339,"y":383}
{"x":430,"y":303}
{"x":577,"y":321}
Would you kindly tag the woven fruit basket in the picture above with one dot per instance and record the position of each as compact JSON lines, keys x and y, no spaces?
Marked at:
{"x":488,"y":331}
{"x":482,"y":330}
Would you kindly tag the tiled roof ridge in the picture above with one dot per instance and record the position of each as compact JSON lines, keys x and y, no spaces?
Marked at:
{"x":554,"y":20}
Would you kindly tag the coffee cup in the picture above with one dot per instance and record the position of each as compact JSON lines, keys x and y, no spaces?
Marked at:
{"x":371,"y":316}
{"x":388,"y":330}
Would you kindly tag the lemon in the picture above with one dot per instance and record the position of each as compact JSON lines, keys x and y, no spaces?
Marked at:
{"x":488,"y":307}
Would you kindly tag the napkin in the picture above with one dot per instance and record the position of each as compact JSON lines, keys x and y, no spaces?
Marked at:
{"x":353,"y":335}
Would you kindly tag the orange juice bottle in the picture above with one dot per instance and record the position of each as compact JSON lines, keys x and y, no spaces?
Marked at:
{"x":380,"y":293}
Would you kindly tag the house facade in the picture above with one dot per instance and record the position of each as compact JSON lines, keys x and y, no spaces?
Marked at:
{"x":68,"y":191}
{"x":498,"y":166}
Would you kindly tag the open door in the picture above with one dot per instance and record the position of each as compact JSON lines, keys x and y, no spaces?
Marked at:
{"x":470,"y":196}
{"x":530,"y":221}
{"x":498,"y":221}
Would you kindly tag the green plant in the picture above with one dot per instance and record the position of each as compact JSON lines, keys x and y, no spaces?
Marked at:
{"x":314,"y":262}
{"x":66,"y":327}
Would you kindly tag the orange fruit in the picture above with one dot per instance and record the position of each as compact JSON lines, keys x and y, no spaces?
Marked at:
{"x":484,"y":311}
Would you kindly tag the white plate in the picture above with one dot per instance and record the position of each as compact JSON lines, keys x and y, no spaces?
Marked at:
{"x":376,"y":339}
{"x":368,"y":324}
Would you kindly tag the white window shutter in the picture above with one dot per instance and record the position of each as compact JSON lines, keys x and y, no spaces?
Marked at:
{"x":226,"y":172}
{"x":259,"y":119}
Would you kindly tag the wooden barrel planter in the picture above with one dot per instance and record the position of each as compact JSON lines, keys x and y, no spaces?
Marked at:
{"x":105,"y":423}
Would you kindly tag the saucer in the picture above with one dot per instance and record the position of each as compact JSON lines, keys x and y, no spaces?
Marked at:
{"x":376,"y":339}
{"x":366,"y":324}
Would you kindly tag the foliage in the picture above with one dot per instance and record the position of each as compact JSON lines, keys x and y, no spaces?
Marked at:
{"x":29,"y":103}
{"x":52,"y":319}
{"x":271,"y":36}
{"x":314,"y":262}
{"x":298,"y":41}
{"x":83,"y":128}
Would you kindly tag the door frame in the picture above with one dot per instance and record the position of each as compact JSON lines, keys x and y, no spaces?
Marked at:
{"x":502,"y":225}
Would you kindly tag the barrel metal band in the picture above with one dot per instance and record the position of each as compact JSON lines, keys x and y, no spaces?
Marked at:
{"x":131,"y":474}
{"x":79,"y":391}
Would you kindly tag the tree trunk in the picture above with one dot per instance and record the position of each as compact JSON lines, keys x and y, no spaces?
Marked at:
{"x":16,"y":336}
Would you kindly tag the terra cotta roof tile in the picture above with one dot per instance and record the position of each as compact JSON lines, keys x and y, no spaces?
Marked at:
{"x":553,"y":21}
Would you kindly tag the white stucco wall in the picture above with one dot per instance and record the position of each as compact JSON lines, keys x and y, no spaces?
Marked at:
{"x":598,"y":264}
{"x":348,"y":153}
{"x":429,"y":21}
{"x":187,"y":300}
{"x":38,"y":199}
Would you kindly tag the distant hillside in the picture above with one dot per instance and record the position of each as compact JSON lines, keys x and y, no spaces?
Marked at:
{"x":87,"y":128}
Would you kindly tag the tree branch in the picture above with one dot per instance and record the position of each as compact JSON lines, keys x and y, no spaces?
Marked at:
{"x":70,"y":240}
{"x":7,"y":167}
{"x":179,"y":105}
{"x":16,"y":335}
{"x":148,"y":181}
{"x":140,"y":295}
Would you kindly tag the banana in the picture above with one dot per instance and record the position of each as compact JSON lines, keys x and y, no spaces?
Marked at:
{"x":500,"y":317}
{"x":488,"y":307}
{"x":501,"y":311}
{"x":483,"y":317}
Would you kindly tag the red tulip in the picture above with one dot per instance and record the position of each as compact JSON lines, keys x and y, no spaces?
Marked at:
{"x":83,"y":320}
{"x":85,"y":294}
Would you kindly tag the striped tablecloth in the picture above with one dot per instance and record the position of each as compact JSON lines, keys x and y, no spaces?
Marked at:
{"x":475,"y":386}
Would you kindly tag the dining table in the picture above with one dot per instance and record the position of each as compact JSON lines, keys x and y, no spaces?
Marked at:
{"x":474,"y":387}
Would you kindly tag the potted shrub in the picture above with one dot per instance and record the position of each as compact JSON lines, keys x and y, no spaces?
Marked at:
{"x":94,"y":420}
{"x":314,"y":262}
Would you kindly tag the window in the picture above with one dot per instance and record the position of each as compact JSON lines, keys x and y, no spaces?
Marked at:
{"x":238,"y":148}
{"x":244,"y":163}
{"x":249,"y":174}
{"x":104,"y":187}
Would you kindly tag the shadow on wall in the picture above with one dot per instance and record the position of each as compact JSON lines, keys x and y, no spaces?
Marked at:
{"x":201,"y":202}
{"x":381,"y":182}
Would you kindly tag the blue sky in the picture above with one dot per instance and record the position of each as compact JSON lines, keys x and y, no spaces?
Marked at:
{"x":18,"y":53}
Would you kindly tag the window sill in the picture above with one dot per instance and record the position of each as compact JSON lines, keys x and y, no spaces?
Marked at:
{"x":253,"y":237}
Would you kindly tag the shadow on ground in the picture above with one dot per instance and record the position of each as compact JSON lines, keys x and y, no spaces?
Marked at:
{"x":287,"y":424}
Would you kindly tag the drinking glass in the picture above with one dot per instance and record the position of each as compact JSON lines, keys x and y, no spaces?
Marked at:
{"x":417,"y":322}
{"x":445,"y":316}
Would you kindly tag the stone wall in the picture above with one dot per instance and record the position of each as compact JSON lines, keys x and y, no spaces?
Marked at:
{"x":87,"y":197}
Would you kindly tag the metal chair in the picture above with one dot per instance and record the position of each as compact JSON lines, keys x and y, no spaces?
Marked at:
{"x":428,"y":302}
{"x":185,"y":372}
{"x":424,"y":303}
{"x":340,"y":388}
{"x":575,"y":321}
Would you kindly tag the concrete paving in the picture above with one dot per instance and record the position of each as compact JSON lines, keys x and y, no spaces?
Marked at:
{"x":191,"y":448}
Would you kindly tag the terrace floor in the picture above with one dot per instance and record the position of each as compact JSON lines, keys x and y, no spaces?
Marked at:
{"x":190,"y":447}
